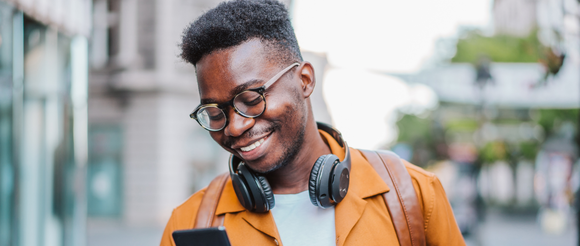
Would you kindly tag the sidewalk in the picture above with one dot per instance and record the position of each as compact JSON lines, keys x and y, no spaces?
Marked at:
{"x":500,"y":229}
{"x":114,"y":233}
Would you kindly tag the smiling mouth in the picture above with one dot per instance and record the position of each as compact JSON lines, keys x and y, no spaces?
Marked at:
{"x":253,"y":146}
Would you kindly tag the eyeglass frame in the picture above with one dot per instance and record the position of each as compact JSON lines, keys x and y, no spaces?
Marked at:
{"x":260,"y":90}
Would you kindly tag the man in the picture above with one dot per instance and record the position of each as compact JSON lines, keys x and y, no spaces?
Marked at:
{"x":254,"y":89}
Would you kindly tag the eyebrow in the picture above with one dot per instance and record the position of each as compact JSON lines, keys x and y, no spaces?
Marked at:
{"x":248,"y":84}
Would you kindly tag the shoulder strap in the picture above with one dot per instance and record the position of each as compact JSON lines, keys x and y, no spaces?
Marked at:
{"x":403,"y":204}
{"x":206,"y":213}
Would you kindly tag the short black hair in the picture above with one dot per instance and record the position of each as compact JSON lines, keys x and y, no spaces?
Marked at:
{"x":234,"y":22}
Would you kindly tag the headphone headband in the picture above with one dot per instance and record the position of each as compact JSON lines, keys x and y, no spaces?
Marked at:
{"x":338,"y":137}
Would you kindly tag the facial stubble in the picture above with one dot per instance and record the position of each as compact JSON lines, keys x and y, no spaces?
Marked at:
{"x":295,"y":143}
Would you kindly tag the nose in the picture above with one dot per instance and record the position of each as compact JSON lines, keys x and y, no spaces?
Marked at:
{"x":237,"y":124}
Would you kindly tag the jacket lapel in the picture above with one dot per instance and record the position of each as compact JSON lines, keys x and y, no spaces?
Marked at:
{"x":347,"y":213}
{"x":364,"y":183}
{"x":229,"y":203}
{"x":263,"y":222}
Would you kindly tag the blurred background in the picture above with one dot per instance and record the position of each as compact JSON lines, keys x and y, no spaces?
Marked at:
{"x":96,"y":146}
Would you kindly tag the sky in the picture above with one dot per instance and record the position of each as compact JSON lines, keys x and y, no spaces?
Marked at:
{"x":365,"y":39}
{"x":382,"y":35}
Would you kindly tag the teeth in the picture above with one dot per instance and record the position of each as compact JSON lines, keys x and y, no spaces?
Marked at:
{"x":252,"y":146}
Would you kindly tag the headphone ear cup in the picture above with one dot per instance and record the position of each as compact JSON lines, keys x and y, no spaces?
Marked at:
{"x":340,"y":182}
{"x":314,"y":179}
{"x":267,"y":192}
{"x":242,"y":192}
{"x":239,"y":183}
{"x":253,"y":186}
{"x":319,"y":184}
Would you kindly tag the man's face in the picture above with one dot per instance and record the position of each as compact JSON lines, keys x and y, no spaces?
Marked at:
{"x":278,"y":132}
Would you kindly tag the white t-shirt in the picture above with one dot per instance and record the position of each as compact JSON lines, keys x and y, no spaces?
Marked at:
{"x":300,"y":223}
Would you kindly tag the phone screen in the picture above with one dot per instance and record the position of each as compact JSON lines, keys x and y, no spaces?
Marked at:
{"x":214,"y":236}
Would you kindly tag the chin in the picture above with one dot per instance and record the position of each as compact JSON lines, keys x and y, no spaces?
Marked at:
{"x":285,"y":159}
{"x":265,"y":168}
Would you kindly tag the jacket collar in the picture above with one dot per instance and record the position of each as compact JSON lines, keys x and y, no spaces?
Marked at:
{"x":229,"y":203}
{"x":364,"y":183}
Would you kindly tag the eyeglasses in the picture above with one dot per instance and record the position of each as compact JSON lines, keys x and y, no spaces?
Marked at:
{"x":250,"y":103}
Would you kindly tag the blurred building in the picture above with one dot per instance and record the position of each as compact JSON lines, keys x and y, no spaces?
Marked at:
{"x":514,"y":17}
{"x":143,"y":149}
{"x":43,"y":108}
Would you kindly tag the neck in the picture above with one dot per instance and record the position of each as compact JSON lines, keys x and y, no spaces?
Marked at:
{"x":293,"y":178}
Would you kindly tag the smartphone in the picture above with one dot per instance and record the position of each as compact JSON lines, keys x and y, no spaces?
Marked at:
{"x":214,"y":236}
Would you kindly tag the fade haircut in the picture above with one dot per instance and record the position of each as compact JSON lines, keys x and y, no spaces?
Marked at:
{"x":234,"y":22}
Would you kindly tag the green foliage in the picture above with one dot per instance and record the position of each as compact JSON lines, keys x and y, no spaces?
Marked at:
{"x":423,"y":136}
{"x":529,"y":149}
{"x":548,"y":118}
{"x":427,"y":135}
{"x":462,"y":125}
{"x":494,"y":151}
{"x":413,"y":128}
{"x":500,"y":48}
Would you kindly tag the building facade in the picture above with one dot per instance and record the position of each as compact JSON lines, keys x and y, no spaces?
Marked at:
{"x":43,"y":121}
{"x":142,"y":148}
{"x":515,"y":17}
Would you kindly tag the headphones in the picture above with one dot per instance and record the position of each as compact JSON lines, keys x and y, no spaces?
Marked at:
{"x":327,"y":186}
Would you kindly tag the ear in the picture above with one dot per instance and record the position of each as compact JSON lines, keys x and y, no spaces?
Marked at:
{"x":308,"y":80}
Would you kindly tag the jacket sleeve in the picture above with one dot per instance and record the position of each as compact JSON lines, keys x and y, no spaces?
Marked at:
{"x":167,"y":239}
{"x":182,"y":218}
{"x":440,"y":225}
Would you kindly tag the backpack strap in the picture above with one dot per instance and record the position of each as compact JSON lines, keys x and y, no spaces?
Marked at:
{"x":402,"y":204}
{"x":206,"y":213}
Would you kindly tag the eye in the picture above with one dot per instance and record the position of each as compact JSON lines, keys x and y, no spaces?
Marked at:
{"x":248,"y":99}
{"x":253,"y":102}
{"x":210,"y":114}
{"x":216,"y":117}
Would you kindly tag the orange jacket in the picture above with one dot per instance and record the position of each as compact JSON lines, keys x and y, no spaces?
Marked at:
{"x":361,"y":218}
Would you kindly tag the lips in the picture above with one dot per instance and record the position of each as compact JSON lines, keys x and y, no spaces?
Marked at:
{"x":255,"y":149}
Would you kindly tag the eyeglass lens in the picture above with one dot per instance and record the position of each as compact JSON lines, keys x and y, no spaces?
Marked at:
{"x":247,"y":103}
{"x":211,"y":117}
{"x":250,"y":103}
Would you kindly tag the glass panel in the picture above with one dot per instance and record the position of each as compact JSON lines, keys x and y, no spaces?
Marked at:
{"x":33,"y":157}
{"x":6,"y":160}
{"x":64,"y":165}
{"x":104,"y":174}
{"x":37,"y":165}
{"x":46,"y":168}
